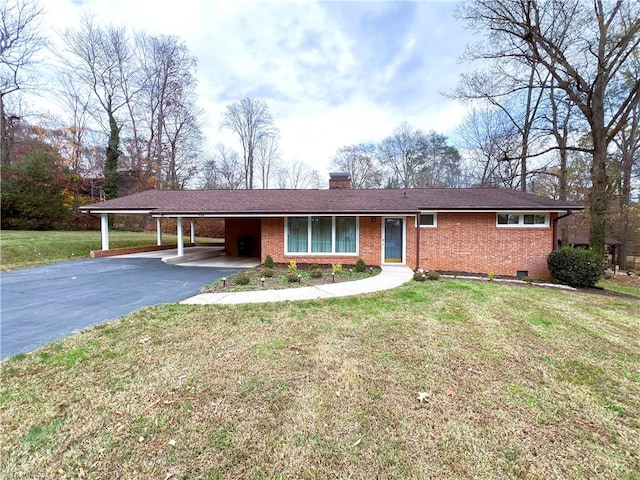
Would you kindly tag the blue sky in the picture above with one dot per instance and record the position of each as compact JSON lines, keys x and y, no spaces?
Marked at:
{"x":333,"y":73}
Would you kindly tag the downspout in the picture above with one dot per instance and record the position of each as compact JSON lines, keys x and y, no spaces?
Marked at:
{"x":418,"y":241}
{"x":555,"y":228}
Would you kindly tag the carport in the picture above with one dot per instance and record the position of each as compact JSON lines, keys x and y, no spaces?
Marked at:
{"x":242,"y":233}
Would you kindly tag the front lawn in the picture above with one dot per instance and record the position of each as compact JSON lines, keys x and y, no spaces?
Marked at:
{"x":621,"y":283}
{"x":22,"y":248}
{"x":517,"y":382}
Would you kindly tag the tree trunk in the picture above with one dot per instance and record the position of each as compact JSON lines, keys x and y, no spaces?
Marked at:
{"x":625,"y":199}
{"x":526,"y":132}
{"x":598,"y":201}
{"x":250,"y":170}
{"x":4,"y":138}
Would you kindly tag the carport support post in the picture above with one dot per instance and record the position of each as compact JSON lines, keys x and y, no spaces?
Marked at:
{"x":159,"y":231}
{"x":180,"y":238}
{"x":104,"y":230}
{"x":193,"y":232}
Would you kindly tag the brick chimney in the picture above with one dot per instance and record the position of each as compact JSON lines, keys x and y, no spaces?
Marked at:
{"x":339,"y":180}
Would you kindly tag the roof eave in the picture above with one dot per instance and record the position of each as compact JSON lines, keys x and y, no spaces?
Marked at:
{"x":120,"y":211}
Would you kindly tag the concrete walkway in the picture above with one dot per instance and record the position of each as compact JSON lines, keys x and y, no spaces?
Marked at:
{"x":389,"y":277}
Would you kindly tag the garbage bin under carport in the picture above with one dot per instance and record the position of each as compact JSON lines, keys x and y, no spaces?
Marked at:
{"x":244,"y":246}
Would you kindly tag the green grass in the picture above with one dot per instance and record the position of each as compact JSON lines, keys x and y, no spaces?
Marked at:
{"x":21,"y":249}
{"x":629,"y":290}
{"x":523,"y":382}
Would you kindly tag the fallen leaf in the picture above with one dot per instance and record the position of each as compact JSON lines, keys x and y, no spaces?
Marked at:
{"x":450,"y":392}
{"x":423,"y":397}
{"x":172,"y":442}
{"x":144,"y":340}
{"x":357,"y":443}
{"x":140,"y":439}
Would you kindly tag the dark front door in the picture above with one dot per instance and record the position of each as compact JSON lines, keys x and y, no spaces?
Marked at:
{"x":393,"y":240}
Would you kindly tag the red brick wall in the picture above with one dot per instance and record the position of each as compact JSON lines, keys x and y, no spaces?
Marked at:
{"x":240,"y":227}
{"x":464,"y":242}
{"x":369,"y":246}
{"x":471,"y":242}
{"x":339,"y":184}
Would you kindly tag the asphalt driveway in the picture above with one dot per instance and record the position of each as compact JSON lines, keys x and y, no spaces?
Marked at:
{"x":42,"y":304}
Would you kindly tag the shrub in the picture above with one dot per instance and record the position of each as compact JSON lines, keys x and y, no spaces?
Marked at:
{"x":35,"y":193}
{"x":267,"y":272}
{"x":292,"y":277}
{"x":268,"y":261}
{"x":360,"y":266}
{"x":433,"y":275}
{"x":336,"y":268}
{"x":577,"y":267}
{"x":316,"y":273}
{"x":419,"y":276}
{"x":292,"y":269}
{"x":313,"y":266}
{"x":241,"y":279}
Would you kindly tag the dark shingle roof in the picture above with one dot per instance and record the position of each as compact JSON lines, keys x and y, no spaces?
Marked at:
{"x":378,"y":201}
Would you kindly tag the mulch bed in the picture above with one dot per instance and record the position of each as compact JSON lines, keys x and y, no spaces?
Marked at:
{"x":259,"y":279}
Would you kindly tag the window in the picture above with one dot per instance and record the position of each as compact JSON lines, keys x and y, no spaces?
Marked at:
{"x":297,"y":234}
{"x":535,"y":219}
{"x":522,"y":220}
{"x":428,"y":220}
{"x":321,"y":235}
{"x":508,"y":219}
{"x":346,"y":235}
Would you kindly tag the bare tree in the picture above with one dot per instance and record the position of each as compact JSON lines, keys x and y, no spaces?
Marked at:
{"x":223,"y":170}
{"x":251,"y":120}
{"x":628,"y":143}
{"x":166,"y":88}
{"x":489,"y":138}
{"x":267,"y":157}
{"x":75,"y":99}
{"x":518,"y":91}
{"x":20,"y":41}
{"x":441,"y":162}
{"x":101,"y":58}
{"x":400,"y":154}
{"x":584,"y":49}
{"x":183,"y":138}
{"x":298,"y":175}
{"x":361,"y":162}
